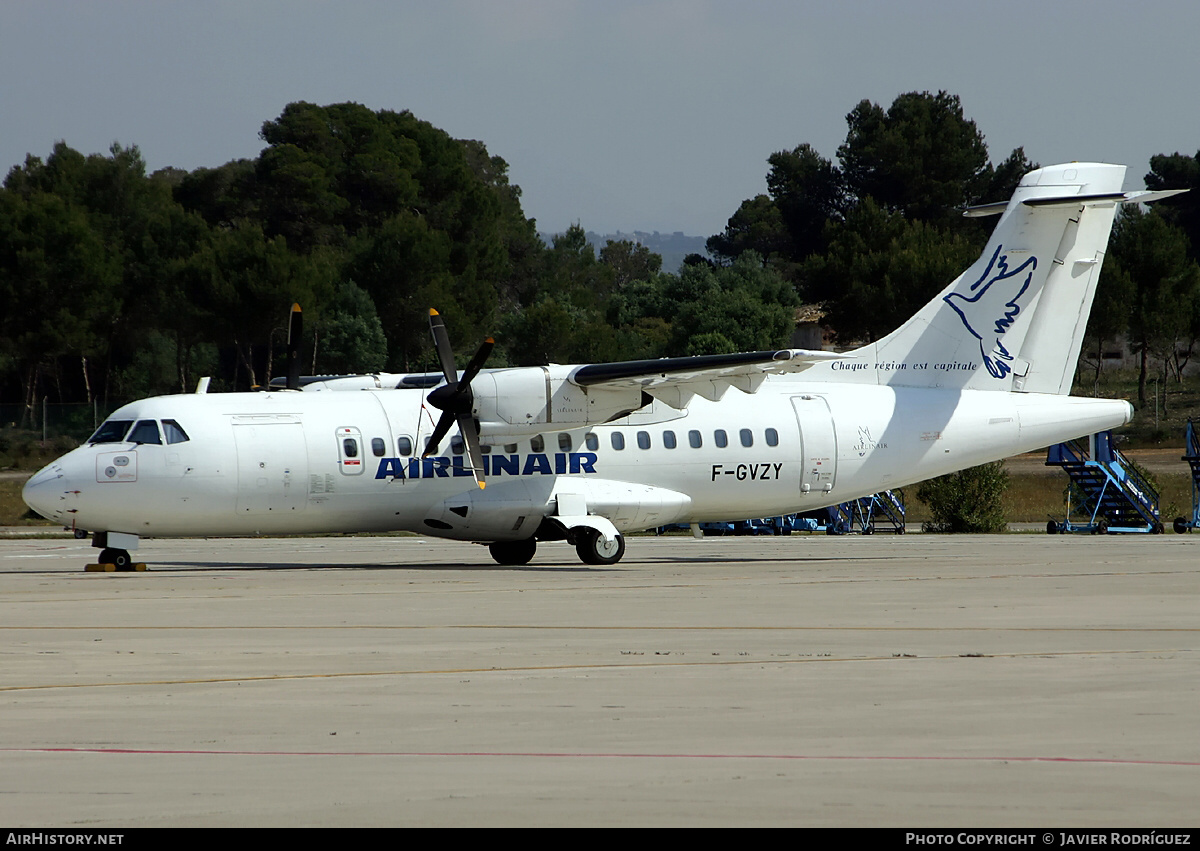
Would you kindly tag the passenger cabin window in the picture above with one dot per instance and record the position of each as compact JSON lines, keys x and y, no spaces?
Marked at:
{"x":720,"y":438}
{"x":146,"y":431}
{"x":111,"y":431}
{"x":564,"y":442}
{"x":669,"y":439}
{"x":456,"y":445}
{"x":378,"y":447}
{"x":592,"y":442}
{"x":643,"y":439}
{"x":174,"y":432}
{"x":772,"y":437}
{"x":695,"y":440}
{"x":404,"y":445}
{"x":618,"y":440}
{"x":350,"y":447}
{"x":747,"y":437}
{"x":538,"y":444}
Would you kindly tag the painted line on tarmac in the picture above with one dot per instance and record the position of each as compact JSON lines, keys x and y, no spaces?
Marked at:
{"x":585,"y":667}
{"x":604,"y":755}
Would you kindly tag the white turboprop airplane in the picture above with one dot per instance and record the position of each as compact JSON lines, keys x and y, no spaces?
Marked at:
{"x":587,"y":453}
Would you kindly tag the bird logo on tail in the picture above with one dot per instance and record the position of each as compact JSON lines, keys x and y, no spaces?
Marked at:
{"x":991,"y":311}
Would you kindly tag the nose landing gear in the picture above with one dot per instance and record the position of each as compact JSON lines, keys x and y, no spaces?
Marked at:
{"x":113,"y":555}
{"x":115,"y":560}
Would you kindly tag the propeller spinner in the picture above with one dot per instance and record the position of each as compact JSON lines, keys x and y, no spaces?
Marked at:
{"x":454,"y":398}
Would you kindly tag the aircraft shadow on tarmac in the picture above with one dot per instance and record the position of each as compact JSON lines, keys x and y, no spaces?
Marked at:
{"x":181,"y":566}
{"x":556,"y":567}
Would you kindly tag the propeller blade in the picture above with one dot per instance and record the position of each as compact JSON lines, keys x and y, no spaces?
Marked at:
{"x":439,"y":431}
{"x":470,"y":434}
{"x":295,"y":331}
{"x":454,"y":398}
{"x":441,"y":342}
{"x":477,"y":362}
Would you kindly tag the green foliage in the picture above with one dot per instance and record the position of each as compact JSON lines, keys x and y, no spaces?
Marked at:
{"x":629,"y":262}
{"x":881,"y":268}
{"x":1150,"y":263}
{"x":970,"y":500}
{"x":876,"y":235}
{"x":158,"y":366}
{"x":351,"y":337}
{"x":1179,"y":171}
{"x":922,"y":157}
{"x":115,"y":283}
{"x":756,"y":226}
{"x":706,"y":310}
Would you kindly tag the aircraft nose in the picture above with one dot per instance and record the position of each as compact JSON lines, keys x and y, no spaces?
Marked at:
{"x":44,"y":491}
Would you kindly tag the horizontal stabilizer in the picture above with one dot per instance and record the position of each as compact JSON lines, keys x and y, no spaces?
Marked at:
{"x":1144,"y":197}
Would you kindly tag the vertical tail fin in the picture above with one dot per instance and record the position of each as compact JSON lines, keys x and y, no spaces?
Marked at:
{"x":1015,"y":319}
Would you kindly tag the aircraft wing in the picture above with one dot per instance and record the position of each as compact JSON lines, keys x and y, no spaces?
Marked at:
{"x":676,"y":380}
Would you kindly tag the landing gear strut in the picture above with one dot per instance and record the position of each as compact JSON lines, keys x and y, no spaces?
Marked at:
{"x":114,"y":551}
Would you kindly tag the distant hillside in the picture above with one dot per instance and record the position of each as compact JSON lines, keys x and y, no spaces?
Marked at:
{"x":672,"y":247}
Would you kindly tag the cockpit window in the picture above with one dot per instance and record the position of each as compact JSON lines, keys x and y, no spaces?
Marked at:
{"x":146,"y":431}
{"x":111,"y":431}
{"x":174,"y":432}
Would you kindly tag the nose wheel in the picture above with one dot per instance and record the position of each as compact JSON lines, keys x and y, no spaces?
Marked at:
{"x":120,"y":559}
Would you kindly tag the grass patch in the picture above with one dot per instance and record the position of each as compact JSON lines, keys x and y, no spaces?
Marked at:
{"x":13,"y":511}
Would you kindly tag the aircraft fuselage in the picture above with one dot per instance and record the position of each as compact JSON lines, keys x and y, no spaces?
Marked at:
{"x":287,"y":462}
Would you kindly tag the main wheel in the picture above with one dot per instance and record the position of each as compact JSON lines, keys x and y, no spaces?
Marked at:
{"x":513,"y":552}
{"x":593,"y":549}
{"x":1181,"y":525}
{"x":120,"y":559}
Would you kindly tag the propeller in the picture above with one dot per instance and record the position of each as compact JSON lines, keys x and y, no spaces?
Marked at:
{"x":295,"y":328}
{"x":454,"y":398}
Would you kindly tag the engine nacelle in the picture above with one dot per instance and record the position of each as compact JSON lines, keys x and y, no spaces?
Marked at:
{"x":514,"y":403}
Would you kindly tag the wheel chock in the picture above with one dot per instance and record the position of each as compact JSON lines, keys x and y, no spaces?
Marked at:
{"x":112,"y":568}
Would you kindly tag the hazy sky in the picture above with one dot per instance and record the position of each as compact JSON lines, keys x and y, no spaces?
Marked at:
{"x":619,"y":115}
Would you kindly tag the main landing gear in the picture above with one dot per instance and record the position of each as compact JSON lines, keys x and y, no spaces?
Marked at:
{"x":513,"y":552}
{"x":589,"y":544}
{"x":593,"y":549}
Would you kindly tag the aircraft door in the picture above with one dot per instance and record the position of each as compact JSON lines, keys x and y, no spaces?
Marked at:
{"x":272,"y":460}
{"x":350,"y":451}
{"x":818,"y":444}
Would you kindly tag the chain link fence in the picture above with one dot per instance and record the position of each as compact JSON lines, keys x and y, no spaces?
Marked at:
{"x":50,"y":420}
